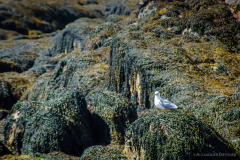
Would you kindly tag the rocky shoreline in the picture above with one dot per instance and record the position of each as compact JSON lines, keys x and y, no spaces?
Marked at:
{"x":78,"y":79}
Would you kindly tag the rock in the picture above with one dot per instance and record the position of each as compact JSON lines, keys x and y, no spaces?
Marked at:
{"x":62,"y":122}
{"x":225,"y":108}
{"x":101,"y":36}
{"x":47,"y":17}
{"x":13,"y":85}
{"x":112,"y":114}
{"x":6,"y":97}
{"x":7,"y":66}
{"x":72,"y":37}
{"x":84,"y":2}
{"x":174,"y":135}
{"x":232,"y":2}
{"x":52,"y":156}
{"x":102,"y":152}
{"x":119,"y":8}
{"x":3,"y":149}
{"x":24,"y":56}
{"x":45,"y":64}
{"x":236,"y":143}
{"x":14,"y":25}
{"x":74,"y":70}
{"x":3,"y":114}
{"x":114,"y":18}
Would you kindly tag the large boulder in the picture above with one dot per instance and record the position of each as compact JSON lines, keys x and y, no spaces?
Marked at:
{"x":60,"y":123}
{"x":112,"y":114}
{"x":175,"y":135}
{"x":13,"y":85}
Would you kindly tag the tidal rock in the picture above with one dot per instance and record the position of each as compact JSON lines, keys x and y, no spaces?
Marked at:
{"x":13,"y":85}
{"x":62,"y":122}
{"x":103,"y":152}
{"x":112,"y":114}
{"x":174,"y":135}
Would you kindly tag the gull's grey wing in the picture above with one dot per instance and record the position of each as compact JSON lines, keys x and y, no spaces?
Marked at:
{"x":168,"y":104}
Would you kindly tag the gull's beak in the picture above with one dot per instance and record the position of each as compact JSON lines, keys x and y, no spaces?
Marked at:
{"x":154,"y":94}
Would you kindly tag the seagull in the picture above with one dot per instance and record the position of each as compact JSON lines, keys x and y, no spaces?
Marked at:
{"x":163,"y":103}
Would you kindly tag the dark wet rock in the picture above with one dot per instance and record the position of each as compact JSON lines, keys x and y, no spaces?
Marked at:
{"x":7,"y":98}
{"x":112,"y":114}
{"x":174,"y":135}
{"x":62,"y":122}
{"x":46,"y":17}
{"x":6,"y":66}
{"x":13,"y":85}
{"x":102,"y":152}
{"x":4,"y":14}
{"x":14,"y":25}
{"x":85,"y":2}
{"x":3,"y":114}
{"x":3,"y":149}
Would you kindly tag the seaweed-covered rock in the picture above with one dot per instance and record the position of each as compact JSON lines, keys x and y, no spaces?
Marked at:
{"x":13,"y":85}
{"x":7,"y":98}
{"x":112,"y":115}
{"x":3,"y":114}
{"x":44,"y":64}
{"x":23,"y":55}
{"x":3,"y":149}
{"x":52,"y":156}
{"x":7,"y":66}
{"x":222,"y":107}
{"x":24,"y":16}
{"x":101,"y":36}
{"x":85,"y":2}
{"x":102,"y":152}
{"x":81,"y":70}
{"x":61,"y":121}
{"x":72,"y":37}
{"x":119,"y":8}
{"x":174,"y":135}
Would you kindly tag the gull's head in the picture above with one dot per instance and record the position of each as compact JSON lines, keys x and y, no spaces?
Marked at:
{"x":157,"y":93}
